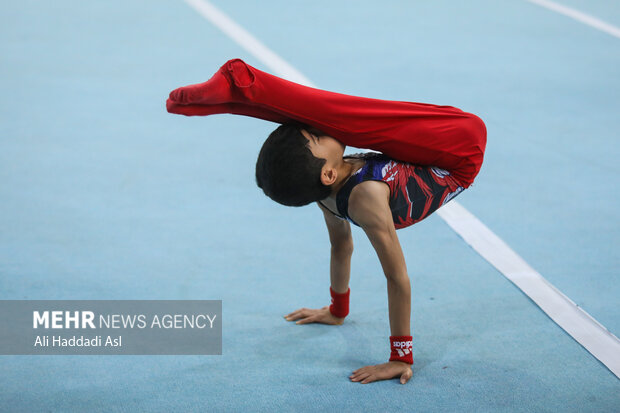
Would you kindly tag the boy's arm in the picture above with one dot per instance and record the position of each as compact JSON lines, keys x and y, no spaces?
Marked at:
{"x":341,"y":243}
{"x":369,"y":207}
{"x":340,"y":269}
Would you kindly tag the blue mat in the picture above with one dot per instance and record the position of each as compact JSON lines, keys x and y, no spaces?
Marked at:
{"x":106,"y":196}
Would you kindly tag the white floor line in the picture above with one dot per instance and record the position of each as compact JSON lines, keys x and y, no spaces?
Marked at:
{"x":248,"y":42}
{"x":580,"y":325}
{"x":588,"y":332}
{"x":579,"y":16}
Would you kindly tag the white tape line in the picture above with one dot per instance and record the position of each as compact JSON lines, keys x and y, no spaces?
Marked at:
{"x":248,"y":42}
{"x":579,"y":16}
{"x":576,"y":322}
{"x":588,"y":332}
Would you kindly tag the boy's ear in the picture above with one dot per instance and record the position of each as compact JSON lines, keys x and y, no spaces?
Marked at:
{"x":328,"y":175}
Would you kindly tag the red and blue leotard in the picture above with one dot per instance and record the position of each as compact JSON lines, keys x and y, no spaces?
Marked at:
{"x":415,"y":191}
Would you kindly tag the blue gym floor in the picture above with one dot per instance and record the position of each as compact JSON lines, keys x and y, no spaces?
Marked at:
{"x":104,"y":195}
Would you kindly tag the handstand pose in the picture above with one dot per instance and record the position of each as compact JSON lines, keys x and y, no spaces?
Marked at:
{"x":429,"y":155}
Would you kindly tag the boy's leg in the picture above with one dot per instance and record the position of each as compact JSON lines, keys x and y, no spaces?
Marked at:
{"x":423,"y":134}
{"x":230,"y":108}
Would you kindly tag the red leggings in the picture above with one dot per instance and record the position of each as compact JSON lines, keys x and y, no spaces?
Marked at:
{"x":418,"y":133}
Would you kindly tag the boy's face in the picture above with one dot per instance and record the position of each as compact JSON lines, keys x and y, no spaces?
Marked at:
{"x":325,"y":147}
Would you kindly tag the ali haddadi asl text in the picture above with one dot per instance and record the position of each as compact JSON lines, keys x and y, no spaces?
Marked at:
{"x":78,"y":341}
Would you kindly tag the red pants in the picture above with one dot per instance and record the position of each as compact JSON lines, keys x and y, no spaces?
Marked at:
{"x":417,"y":133}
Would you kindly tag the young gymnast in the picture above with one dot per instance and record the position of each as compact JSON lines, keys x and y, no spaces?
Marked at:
{"x":429,"y":154}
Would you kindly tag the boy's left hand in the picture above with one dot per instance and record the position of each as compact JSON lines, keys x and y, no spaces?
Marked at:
{"x":384,"y":371}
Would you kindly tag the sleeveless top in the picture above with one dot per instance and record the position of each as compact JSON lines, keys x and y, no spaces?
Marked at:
{"x":415,"y":191}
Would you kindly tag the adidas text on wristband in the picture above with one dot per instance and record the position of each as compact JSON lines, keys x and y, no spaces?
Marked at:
{"x":402,"y":349}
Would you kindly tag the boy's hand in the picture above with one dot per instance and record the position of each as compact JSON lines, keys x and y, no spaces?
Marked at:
{"x":308,"y":315}
{"x":383,"y":371}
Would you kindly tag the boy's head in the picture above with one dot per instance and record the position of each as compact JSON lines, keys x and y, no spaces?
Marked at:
{"x":296,"y":165}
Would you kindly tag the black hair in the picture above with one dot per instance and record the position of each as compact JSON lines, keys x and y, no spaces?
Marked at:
{"x":286,"y":169}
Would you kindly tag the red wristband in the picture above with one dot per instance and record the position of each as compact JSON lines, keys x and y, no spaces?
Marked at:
{"x":340,"y":303}
{"x":402,"y":349}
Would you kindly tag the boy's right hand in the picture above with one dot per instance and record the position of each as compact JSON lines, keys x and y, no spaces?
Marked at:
{"x":308,"y":315}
